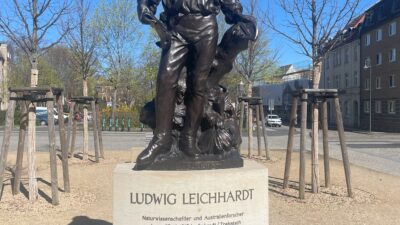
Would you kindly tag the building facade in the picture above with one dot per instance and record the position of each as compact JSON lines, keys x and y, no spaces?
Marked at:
{"x":380,"y":67}
{"x":341,"y":70}
{"x":5,"y":58}
{"x":277,"y":96}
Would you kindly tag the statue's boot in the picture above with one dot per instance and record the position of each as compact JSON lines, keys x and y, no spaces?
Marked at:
{"x":188,"y":144}
{"x":188,"y":137}
{"x":160,"y":144}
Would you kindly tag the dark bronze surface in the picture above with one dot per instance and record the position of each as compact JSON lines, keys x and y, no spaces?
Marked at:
{"x":193,"y":120}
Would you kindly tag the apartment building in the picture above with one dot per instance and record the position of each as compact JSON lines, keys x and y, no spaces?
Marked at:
{"x":341,"y":70}
{"x":5,"y":58}
{"x":380,"y":67}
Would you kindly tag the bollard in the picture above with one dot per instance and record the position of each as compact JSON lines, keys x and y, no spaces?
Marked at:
{"x":103,"y":123}
{"x":110,"y":124}
{"x":116,"y":123}
{"x":129,"y":123}
{"x":122,"y":124}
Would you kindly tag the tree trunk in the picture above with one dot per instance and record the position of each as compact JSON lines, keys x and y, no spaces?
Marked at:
{"x":250,"y":121}
{"x":85,"y":123}
{"x":315,"y":129}
{"x":114,"y":105}
{"x":33,"y":188}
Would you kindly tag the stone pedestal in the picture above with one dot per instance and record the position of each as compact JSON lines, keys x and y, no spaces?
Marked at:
{"x":206,"y":197}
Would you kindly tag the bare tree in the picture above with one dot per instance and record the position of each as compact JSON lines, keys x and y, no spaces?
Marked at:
{"x":82,"y":42}
{"x":28,"y":24}
{"x":310,"y":24}
{"x":118,"y":30}
{"x":255,"y":62}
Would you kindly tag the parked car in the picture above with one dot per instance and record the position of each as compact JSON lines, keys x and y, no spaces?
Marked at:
{"x":273,"y":120}
{"x":41,"y":116}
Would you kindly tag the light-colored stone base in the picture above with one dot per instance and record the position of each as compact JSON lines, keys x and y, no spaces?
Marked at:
{"x":209,"y":197}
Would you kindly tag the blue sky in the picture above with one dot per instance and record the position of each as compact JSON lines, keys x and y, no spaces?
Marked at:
{"x":288,"y":53}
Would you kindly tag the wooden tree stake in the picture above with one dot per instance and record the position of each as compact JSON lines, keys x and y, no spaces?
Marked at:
{"x":85,"y":133}
{"x":95,"y":132}
{"x":315,"y":149}
{"x":21,"y":147}
{"x":73,"y":138}
{"x":258,"y":129}
{"x":100,"y":131}
{"x":52,"y":150}
{"x":63,"y":141}
{"x":6,"y":140}
{"x":70,"y":119}
{"x":31,"y":150}
{"x":250,"y":130}
{"x":264,"y":130}
{"x":342,"y":138}
{"x":325,"y":143}
{"x":292,"y":128}
{"x":302,"y":182}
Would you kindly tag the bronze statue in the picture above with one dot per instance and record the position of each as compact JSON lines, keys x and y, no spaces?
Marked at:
{"x":192,"y":119}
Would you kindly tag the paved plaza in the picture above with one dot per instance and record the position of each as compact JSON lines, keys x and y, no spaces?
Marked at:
{"x":376,"y":151}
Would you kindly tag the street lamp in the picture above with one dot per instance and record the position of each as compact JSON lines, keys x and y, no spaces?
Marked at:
{"x":369,"y":66}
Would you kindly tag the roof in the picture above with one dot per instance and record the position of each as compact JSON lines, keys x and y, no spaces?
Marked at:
{"x":348,"y":34}
{"x":285,"y":69}
{"x":381,"y":12}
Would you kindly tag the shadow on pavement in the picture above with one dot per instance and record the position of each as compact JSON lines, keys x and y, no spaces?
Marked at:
{"x":84,"y":220}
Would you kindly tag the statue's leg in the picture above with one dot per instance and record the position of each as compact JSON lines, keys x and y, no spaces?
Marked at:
{"x":171,"y":64}
{"x":205,"y":50}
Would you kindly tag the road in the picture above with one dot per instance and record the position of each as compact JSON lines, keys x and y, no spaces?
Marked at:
{"x":377,"y":151}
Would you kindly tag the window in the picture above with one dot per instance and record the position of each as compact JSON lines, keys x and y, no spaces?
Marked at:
{"x":337,"y":58}
{"x":346,"y":56}
{"x":366,"y":84}
{"x":327,"y":62}
{"x":392,"y":55}
{"x":367,"y":62}
{"x":346,"y":108}
{"x":379,"y":35}
{"x":392,"y":81}
{"x":367,"y":39}
{"x":346,"y":80}
{"x":391,"y":106}
{"x":381,"y":14}
{"x":355,"y":56}
{"x":379,"y":59}
{"x":355,"y":79}
{"x":328,"y":81}
{"x":378,"y":107}
{"x":337,"y":79}
{"x":392,"y":28}
{"x":369,"y":18}
{"x":378,"y":83}
{"x":366,"y":106}
{"x":396,"y":5}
